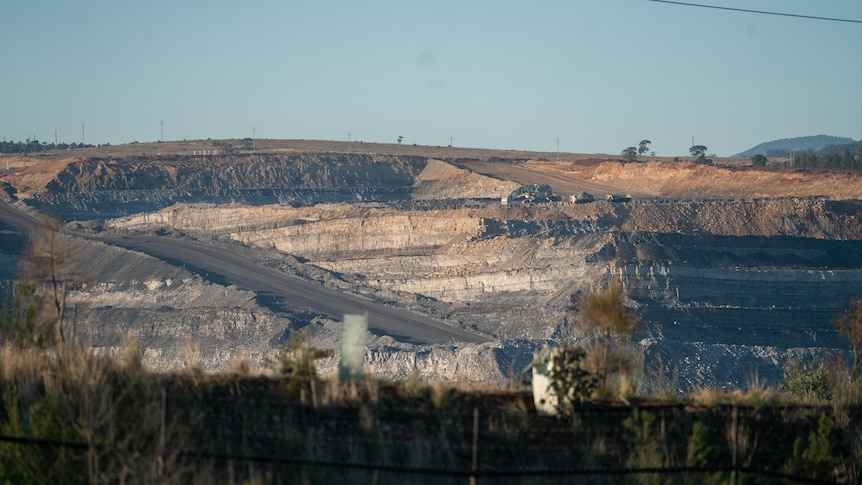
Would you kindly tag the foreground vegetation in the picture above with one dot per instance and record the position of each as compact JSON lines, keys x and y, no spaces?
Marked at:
{"x":68,"y":415}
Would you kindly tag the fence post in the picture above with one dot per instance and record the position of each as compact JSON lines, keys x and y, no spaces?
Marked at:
{"x":735,"y":458}
{"x":163,"y":421}
{"x":475,"y":466}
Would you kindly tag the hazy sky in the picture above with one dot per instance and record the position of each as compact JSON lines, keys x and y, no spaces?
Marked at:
{"x":599,"y":75}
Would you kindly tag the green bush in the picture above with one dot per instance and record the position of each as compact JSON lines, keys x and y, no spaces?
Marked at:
{"x":707,"y":447}
{"x":654,"y":442}
{"x":29,"y":463}
{"x":23,"y":325}
{"x":568,"y":381}
{"x":758,"y":160}
{"x":296,"y":364}
{"x":807,"y":382}
{"x":819,"y":455}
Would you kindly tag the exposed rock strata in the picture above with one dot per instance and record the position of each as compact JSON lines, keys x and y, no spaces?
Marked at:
{"x":726,"y":287}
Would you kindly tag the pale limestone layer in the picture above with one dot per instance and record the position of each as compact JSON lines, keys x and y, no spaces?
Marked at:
{"x":385,"y":232}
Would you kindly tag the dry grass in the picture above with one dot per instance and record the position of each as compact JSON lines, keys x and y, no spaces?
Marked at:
{"x":332,"y":392}
{"x":240,"y":365}
{"x":757,"y":396}
{"x":110,"y":405}
{"x":684,"y":179}
{"x":114,"y":401}
{"x":440,"y":394}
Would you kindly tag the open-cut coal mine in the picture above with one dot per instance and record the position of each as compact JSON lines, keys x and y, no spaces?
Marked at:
{"x":466,"y":261}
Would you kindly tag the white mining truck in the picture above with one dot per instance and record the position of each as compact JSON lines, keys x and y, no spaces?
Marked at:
{"x":528,"y":194}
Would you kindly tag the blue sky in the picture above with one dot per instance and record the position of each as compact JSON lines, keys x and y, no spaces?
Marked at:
{"x":599,"y":75}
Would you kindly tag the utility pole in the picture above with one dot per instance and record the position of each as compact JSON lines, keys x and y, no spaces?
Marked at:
{"x":162,"y":125}
{"x":558,"y":149}
{"x":83,"y":135}
{"x":253,"y":132}
{"x":451,"y":141}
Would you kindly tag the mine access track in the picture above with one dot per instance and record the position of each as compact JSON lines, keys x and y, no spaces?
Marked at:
{"x":296,"y":293}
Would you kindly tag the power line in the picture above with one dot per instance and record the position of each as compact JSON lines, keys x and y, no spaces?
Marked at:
{"x":764,"y":12}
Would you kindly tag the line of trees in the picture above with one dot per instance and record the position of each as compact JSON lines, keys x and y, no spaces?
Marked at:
{"x":631,"y":153}
{"x":30,"y":146}
{"x":809,"y":159}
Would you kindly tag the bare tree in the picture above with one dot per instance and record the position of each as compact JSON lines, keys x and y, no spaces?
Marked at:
{"x":48,"y":263}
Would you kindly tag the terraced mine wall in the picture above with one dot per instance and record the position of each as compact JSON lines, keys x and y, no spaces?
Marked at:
{"x":726,"y":288}
{"x":99,"y":188}
{"x":751,"y":301}
{"x":723,"y":307}
{"x":118,"y":203}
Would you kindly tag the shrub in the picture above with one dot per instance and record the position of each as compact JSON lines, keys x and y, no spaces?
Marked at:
{"x":654,"y":442}
{"x":706,"y":447}
{"x":603,"y":314}
{"x":113,"y":412}
{"x":806,"y":382}
{"x":40,"y":419}
{"x":23,"y":325}
{"x":819,"y":455}
{"x":296,"y":363}
{"x":568,"y":381}
{"x":758,"y":160}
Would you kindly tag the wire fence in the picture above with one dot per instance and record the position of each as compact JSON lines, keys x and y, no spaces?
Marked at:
{"x":224,"y":438}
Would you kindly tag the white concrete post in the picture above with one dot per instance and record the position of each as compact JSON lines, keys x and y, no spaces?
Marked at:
{"x":353,"y":338}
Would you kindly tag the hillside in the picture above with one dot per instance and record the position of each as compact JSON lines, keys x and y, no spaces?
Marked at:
{"x":798,"y":144}
{"x":686,"y":180}
{"x":854,"y":148}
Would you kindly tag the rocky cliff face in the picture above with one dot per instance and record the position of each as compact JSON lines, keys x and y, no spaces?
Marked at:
{"x":727,"y":309}
{"x":99,"y":188}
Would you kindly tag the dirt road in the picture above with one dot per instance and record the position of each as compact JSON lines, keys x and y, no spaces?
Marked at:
{"x":559,"y":183}
{"x":296,"y":293}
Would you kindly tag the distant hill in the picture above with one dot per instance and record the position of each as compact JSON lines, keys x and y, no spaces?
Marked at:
{"x":855,"y":147}
{"x":800,"y":143}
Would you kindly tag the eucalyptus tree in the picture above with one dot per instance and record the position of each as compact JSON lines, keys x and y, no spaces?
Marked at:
{"x":643,"y":147}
